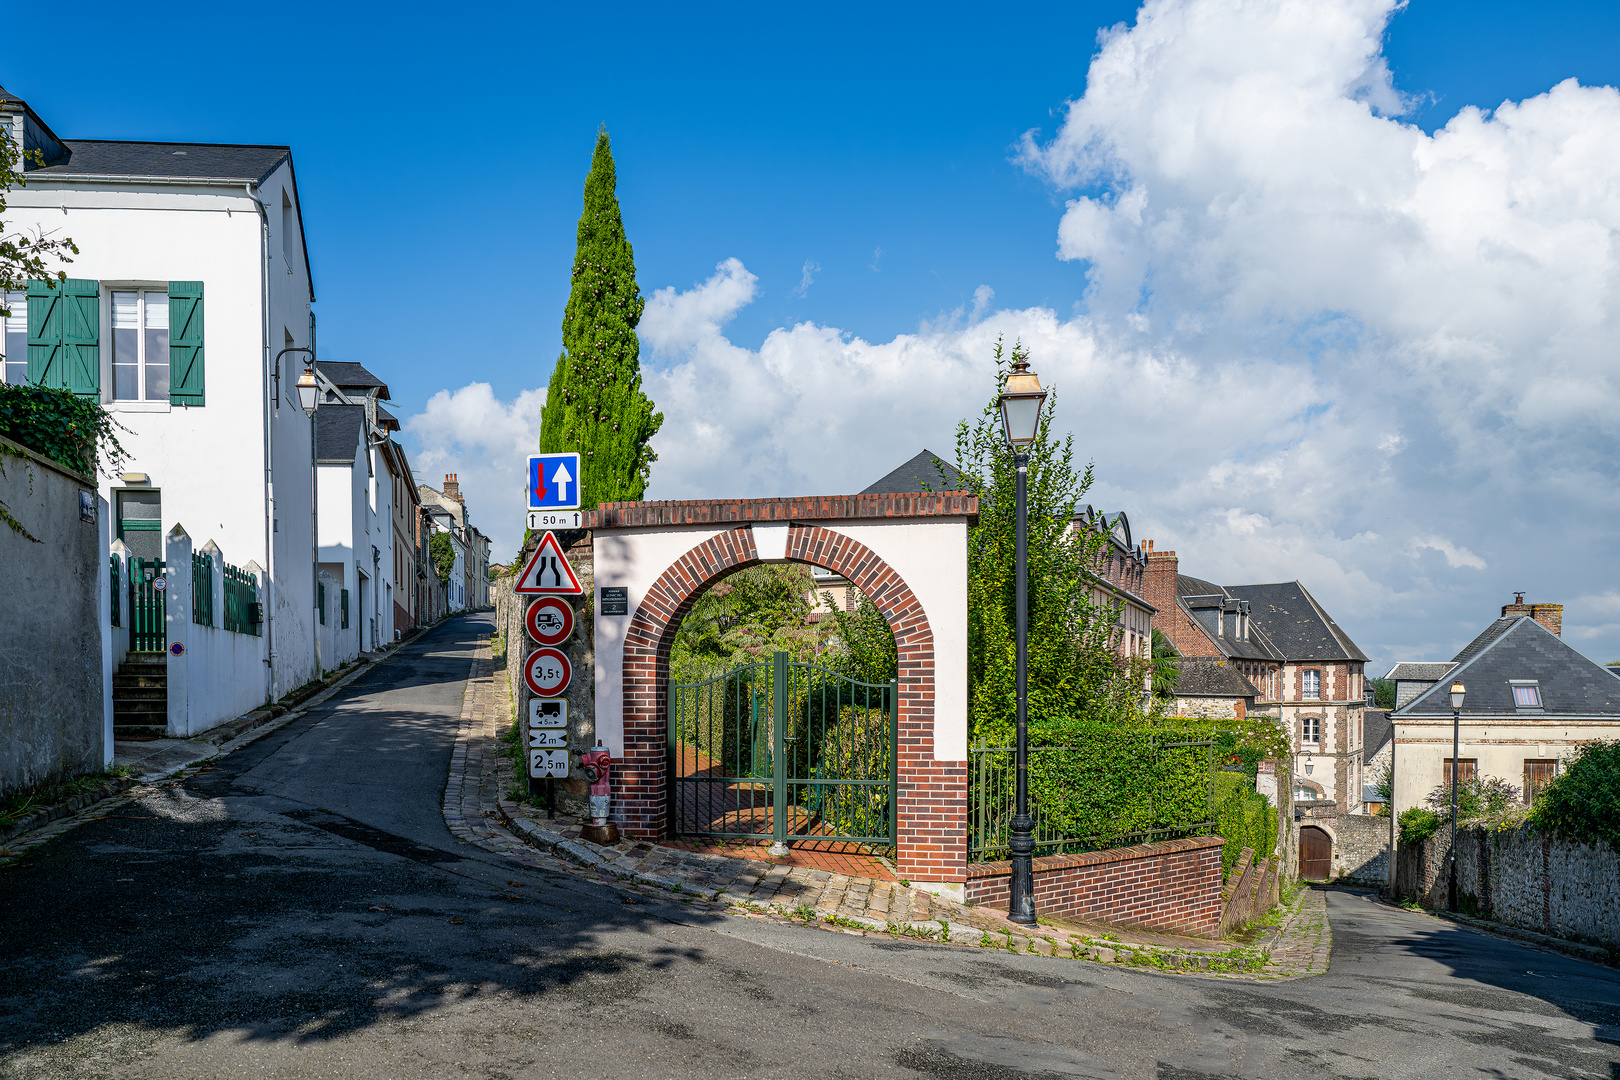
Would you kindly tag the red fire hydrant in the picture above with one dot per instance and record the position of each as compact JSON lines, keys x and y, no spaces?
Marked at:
{"x":598,"y":765}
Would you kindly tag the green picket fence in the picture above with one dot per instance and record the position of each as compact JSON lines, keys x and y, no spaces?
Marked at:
{"x":202,"y":588}
{"x":241,"y":593}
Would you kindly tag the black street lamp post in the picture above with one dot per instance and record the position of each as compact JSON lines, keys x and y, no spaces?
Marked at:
{"x":1457,"y":692}
{"x":1021,"y":399}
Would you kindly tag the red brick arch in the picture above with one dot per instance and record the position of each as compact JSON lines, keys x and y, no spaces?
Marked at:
{"x":933,"y":805}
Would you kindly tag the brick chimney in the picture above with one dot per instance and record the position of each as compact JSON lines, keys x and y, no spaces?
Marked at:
{"x":1550,"y":616}
{"x":452,"y":488}
{"x":1159,"y":580}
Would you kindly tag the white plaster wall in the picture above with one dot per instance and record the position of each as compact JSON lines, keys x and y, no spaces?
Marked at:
{"x":109,"y":632}
{"x":929,"y":554}
{"x":1500,"y":746}
{"x":219,"y":676}
{"x":209,"y":462}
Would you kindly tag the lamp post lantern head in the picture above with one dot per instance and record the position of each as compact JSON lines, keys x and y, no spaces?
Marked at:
{"x":308,"y":391}
{"x":1457,"y":692}
{"x":1021,"y":398}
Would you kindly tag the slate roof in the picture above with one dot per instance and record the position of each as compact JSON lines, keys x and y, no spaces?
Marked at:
{"x":1491,"y":633}
{"x":1295,"y":623}
{"x":338,"y":429}
{"x":385,"y":419}
{"x":927,"y":471}
{"x":348,"y":376}
{"x":1419,"y":672}
{"x":1375,"y":731}
{"x":1210,"y":678}
{"x":187,"y":161}
{"x":1258,"y":647}
{"x":1571,"y":684}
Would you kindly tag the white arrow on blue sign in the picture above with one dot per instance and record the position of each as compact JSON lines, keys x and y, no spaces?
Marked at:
{"x":554,"y":481}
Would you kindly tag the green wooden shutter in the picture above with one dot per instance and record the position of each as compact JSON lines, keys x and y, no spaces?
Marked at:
{"x":64,"y":335}
{"x":44,"y":334}
{"x":186,"y":342}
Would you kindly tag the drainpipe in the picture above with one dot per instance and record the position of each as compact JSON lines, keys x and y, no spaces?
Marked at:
{"x":269,"y":445}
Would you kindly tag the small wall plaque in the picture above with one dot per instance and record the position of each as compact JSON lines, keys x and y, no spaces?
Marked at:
{"x":615,"y":600}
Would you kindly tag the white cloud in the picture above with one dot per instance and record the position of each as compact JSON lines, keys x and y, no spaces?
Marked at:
{"x":806,"y":279}
{"x":1455,"y":556}
{"x":485,"y":442}
{"x":1318,"y":342}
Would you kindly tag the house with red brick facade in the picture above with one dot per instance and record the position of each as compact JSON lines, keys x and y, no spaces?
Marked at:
{"x":1303,"y":669}
{"x":1117,"y":578}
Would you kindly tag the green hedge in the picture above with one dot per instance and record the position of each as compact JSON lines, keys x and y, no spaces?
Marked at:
{"x":1417,"y":824}
{"x":1243,"y":818}
{"x":1093,"y":785}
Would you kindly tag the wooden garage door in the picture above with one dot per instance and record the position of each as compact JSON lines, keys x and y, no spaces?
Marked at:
{"x":1315,"y":854}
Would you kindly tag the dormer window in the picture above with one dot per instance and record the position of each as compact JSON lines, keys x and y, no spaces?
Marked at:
{"x":1526,"y":694}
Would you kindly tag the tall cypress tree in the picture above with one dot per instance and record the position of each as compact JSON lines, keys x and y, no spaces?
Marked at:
{"x":595,"y":404}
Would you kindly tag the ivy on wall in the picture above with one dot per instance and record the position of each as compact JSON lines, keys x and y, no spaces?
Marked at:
{"x":62,"y":426}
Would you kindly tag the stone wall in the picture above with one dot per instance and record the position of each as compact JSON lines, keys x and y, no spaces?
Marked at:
{"x":53,"y":680}
{"x":1173,"y":885}
{"x":1360,"y":846}
{"x":1521,"y":877}
{"x":572,"y":793}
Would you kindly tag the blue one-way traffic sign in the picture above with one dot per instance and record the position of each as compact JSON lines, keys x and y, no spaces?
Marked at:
{"x":554,"y":481}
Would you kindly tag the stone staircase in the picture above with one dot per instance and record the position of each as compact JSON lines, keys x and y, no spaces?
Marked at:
{"x":141,"y":697}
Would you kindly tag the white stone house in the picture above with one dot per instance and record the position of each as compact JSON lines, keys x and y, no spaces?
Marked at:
{"x":1530,"y":700}
{"x":357,"y":536}
{"x":448,"y":512}
{"x":191,"y":276}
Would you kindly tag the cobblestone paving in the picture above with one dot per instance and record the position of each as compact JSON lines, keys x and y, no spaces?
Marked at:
{"x":478,"y":810}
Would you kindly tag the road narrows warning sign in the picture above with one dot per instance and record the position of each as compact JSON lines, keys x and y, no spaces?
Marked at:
{"x":547,"y":572}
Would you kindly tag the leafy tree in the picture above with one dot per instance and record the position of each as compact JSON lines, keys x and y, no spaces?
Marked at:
{"x":595,"y":403}
{"x":1583,"y":801}
{"x":24,"y":256}
{"x":863,"y":646}
{"x":1383,"y":693}
{"x":1075,"y":671}
{"x":1166,"y":672}
{"x":744,"y":619}
{"x":443,"y":554}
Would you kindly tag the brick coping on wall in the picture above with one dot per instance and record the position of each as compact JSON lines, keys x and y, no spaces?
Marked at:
{"x":976,"y":871}
{"x":625,"y":515}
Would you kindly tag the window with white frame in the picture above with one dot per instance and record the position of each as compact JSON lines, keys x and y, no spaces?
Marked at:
{"x":140,"y":333}
{"x":14,"y":345}
{"x":1310,"y":685}
{"x":1310,"y":730}
{"x":1526,"y":694}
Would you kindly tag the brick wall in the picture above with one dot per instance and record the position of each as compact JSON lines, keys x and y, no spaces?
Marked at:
{"x":932,"y":840}
{"x":1173,"y":885}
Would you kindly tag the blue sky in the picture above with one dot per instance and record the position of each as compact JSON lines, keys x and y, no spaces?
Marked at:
{"x":441,"y":162}
{"x":822,"y":134}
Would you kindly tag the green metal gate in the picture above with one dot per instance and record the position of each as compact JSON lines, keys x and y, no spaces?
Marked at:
{"x":780,"y":750}
{"x":148,"y":630}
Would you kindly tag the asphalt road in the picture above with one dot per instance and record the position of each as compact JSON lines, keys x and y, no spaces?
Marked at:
{"x":301,"y":911}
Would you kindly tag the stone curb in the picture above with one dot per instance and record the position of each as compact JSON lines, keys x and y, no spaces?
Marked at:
{"x":46,"y":814}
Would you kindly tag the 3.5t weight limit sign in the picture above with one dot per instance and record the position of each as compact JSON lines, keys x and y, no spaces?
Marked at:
{"x":546,"y":672}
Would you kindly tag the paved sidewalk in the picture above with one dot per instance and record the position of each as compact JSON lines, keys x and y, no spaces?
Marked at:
{"x":478,"y":809}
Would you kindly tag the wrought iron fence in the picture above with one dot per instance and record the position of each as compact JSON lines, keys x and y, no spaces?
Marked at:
{"x":148,"y":627}
{"x":202,"y":588}
{"x":241,"y":593}
{"x":1116,"y":789}
{"x":115,"y":575}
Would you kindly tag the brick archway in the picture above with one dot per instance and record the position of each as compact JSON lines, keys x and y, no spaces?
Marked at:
{"x":932,"y":826}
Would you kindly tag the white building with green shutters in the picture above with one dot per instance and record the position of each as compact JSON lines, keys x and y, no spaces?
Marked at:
{"x":191,"y":278}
